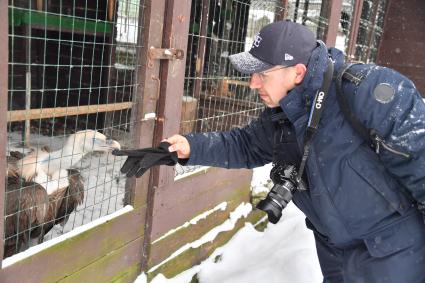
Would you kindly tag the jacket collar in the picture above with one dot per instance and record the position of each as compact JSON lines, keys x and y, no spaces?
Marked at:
{"x":299,"y":100}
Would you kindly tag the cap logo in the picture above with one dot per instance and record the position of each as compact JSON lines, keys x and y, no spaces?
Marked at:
{"x":288,"y":57}
{"x":257,"y":40}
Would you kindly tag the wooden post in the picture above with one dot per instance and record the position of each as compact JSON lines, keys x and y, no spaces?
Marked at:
{"x":139,"y":191}
{"x":334,"y":16}
{"x":354,"y":30}
{"x":282,"y":11}
{"x":189,"y":107}
{"x":40,"y":5}
{"x":4,"y":50}
{"x":200,"y":56}
{"x":171,"y":83}
{"x":111,"y":10}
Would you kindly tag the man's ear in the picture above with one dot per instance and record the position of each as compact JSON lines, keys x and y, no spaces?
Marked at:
{"x":300,"y":70}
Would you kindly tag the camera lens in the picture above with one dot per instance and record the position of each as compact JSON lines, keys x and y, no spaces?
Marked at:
{"x":277,"y":199}
{"x":274,"y":211}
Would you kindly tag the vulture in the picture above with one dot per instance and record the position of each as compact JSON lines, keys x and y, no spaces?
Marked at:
{"x":40,"y":166}
{"x":44,"y":188}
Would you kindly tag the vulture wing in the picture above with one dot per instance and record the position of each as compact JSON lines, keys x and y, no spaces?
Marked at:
{"x":26,"y":207}
{"x":65,"y":200}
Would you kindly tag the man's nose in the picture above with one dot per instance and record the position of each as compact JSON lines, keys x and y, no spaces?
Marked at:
{"x":255,"y":82}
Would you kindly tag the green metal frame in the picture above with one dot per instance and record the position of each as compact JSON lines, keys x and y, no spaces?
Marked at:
{"x":49,"y":21}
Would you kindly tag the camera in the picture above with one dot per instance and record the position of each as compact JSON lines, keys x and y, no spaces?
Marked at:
{"x":285,"y":182}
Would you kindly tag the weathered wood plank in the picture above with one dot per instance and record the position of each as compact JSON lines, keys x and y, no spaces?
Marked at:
{"x":4,"y":49}
{"x":44,"y":113}
{"x":194,"y":256}
{"x":181,"y":201}
{"x":166,"y":246}
{"x":121,"y":265}
{"x":75,"y":253}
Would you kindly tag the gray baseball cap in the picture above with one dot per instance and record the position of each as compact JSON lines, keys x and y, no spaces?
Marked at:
{"x":280,"y":43}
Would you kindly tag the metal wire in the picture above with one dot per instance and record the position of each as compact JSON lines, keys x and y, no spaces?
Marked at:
{"x":217,"y":97}
{"x":68,"y":54}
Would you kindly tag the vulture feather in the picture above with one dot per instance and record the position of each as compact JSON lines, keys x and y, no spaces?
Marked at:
{"x":40,"y":165}
{"x":43,"y":190}
{"x":26,"y":207}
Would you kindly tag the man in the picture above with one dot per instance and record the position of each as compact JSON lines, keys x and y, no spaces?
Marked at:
{"x":366,"y":206}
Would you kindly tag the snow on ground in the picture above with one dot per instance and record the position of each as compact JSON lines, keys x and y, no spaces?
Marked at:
{"x":284,"y":252}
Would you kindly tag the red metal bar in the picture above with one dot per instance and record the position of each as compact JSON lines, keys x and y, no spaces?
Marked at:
{"x":354,"y":31}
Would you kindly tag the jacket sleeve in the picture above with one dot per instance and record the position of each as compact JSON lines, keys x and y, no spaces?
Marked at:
{"x":398,"y":116}
{"x":246,"y":147}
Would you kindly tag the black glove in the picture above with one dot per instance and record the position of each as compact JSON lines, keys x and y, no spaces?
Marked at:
{"x":140,"y":160}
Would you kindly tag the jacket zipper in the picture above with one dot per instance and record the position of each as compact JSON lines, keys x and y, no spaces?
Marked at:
{"x":379,"y":141}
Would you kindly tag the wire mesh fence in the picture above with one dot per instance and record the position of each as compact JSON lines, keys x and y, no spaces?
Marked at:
{"x":369,"y":32}
{"x":311,"y":13}
{"x":216,"y":97}
{"x":72,"y":75}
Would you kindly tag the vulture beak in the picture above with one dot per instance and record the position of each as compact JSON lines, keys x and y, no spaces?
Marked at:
{"x":112,"y":145}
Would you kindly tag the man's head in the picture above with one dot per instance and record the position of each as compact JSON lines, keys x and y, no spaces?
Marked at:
{"x":277,"y":59}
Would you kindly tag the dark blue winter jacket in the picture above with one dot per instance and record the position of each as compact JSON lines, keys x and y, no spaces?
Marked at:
{"x":354,"y":193}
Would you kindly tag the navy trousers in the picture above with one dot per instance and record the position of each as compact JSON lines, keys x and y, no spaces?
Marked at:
{"x":395,"y":254}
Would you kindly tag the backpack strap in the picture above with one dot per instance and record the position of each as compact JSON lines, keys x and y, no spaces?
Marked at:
{"x":365,"y":133}
{"x":370,"y":135}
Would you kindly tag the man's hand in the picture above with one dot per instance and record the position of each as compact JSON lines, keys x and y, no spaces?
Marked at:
{"x":180,"y":145}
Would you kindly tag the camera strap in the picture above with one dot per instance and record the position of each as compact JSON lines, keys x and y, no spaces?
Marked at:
{"x":314,"y":119}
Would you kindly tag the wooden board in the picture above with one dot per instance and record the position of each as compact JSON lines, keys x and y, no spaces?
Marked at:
{"x":74,"y":254}
{"x":188,"y":114}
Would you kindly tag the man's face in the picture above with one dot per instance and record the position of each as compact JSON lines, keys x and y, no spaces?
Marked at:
{"x":274,"y":84}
